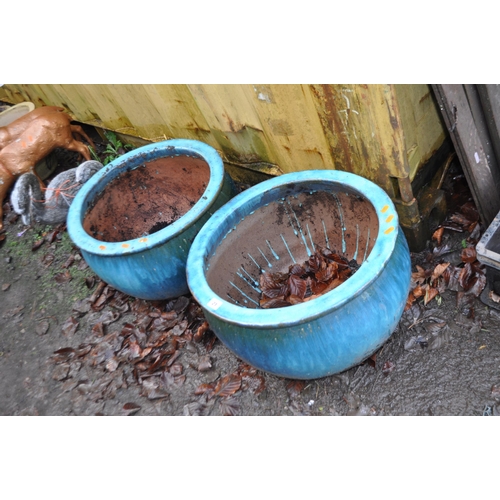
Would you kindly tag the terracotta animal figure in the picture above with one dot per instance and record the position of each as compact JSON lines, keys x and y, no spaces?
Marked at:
{"x":27,"y":140}
{"x":28,"y":200}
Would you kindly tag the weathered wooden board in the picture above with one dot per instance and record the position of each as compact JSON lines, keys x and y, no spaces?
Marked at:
{"x":463,"y":116}
{"x":421,"y":122}
{"x":382,"y":132}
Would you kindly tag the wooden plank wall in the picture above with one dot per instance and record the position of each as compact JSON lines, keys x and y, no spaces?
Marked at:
{"x":382,"y":132}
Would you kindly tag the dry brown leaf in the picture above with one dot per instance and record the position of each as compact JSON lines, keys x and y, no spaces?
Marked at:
{"x":268,"y":303}
{"x":298,"y":286}
{"x":131,"y":408}
{"x":461,"y":219}
{"x":52,"y":235}
{"x":37,"y":244}
{"x":112,"y":364}
{"x":69,"y":262}
{"x":229,"y":407}
{"x":47,"y":259}
{"x":228,"y":385}
{"x":97,"y":292}
{"x":70,"y":326}
{"x":439,"y":270}
{"x":420,"y":275}
{"x":63,"y":277}
{"x":438,"y":235}
{"x":98,"y":330}
{"x":295,"y":387}
{"x":430,"y":293}
{"x":63,"y":354}
{"x":470,"y":211}
{"x":466,"y":277}
{"x":478,"y":285}
{"x":152,"y":389}
{"x":205,"y":363}
{"x":204,"y":388}
{"x":468,"y":255}
{"x":409,"y":301}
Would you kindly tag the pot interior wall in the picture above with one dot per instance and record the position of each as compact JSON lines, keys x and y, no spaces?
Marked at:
{"x":145,"y":199}
{"x":287,"y":231}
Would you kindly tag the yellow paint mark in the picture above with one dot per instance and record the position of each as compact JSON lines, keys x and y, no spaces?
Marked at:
{"x":102,"y":247}
{"x":482,"y":347}
{"x":143,"y":240}
{"x":390,"y":230}
{"x":389,"y":218}
{"x":125,"y":245}
{"x":385,"y":208}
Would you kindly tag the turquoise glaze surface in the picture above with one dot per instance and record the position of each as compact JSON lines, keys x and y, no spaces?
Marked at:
{"x":152,"y":267}
{"x":326,"y":335}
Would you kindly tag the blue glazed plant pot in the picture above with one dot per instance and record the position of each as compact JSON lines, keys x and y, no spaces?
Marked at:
{"x":123,"y":218}
{"x":283,"y":221}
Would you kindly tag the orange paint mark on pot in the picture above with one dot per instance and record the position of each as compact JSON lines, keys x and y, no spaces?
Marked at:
{"x":125,"y":245}
{"x":389,"y":218}
{"x":102,"y":247}
{"x":143,"y":240}
{"x":389,"y":230}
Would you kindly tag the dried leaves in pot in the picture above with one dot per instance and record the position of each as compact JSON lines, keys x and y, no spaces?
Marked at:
{"x":321,"y":273}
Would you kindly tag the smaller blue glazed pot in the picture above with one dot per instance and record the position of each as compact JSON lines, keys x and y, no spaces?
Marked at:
{"x":150,"y":267}
{"x":283,"y":221}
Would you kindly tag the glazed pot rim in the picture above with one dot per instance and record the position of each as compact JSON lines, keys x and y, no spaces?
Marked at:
{"x":206,"y":242}
{"x":174,"y":147}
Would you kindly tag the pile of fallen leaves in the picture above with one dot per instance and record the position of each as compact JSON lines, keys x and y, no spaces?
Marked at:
{"x":321,"y":273}
{"x":467,"y":278}
{"x":154,"y":351}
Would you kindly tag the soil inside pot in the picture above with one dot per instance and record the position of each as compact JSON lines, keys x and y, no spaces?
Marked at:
{"x":147,"y":199}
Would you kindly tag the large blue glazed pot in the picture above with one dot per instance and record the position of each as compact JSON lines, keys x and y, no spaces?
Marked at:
{"x":283,"y":221}
{"x":150,"y":266}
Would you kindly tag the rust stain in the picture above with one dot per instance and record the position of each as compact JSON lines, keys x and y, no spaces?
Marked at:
{"x":342,"y":151}
{"x":364,"y":151}
{"x":397,"y":160}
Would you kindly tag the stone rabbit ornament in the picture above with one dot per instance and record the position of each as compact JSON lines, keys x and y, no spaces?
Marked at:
{"x":28,"y":200}
{"x":29,"y":139}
